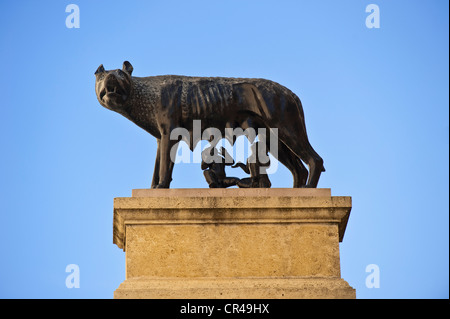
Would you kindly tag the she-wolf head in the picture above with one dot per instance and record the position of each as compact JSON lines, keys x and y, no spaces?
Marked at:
{"x":113,"y":87}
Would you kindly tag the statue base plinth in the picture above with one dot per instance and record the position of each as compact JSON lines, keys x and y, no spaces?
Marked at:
{"x":235,"y":288}
{"x":232,"y":243}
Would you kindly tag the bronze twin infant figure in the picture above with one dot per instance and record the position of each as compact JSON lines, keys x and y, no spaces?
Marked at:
{"x":214,"y":169}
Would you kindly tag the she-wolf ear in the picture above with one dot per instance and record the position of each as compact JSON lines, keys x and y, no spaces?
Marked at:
{"x":127,"y":67}
{"x":100,"y":69}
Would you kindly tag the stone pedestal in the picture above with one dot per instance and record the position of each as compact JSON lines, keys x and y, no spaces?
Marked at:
{"x":232,"y":243}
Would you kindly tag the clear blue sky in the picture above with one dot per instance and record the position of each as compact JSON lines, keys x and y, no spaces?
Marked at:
{"x":375,"y":101}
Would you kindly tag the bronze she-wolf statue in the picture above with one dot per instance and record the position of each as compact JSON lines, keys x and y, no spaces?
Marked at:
{"x":159,"y":104}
